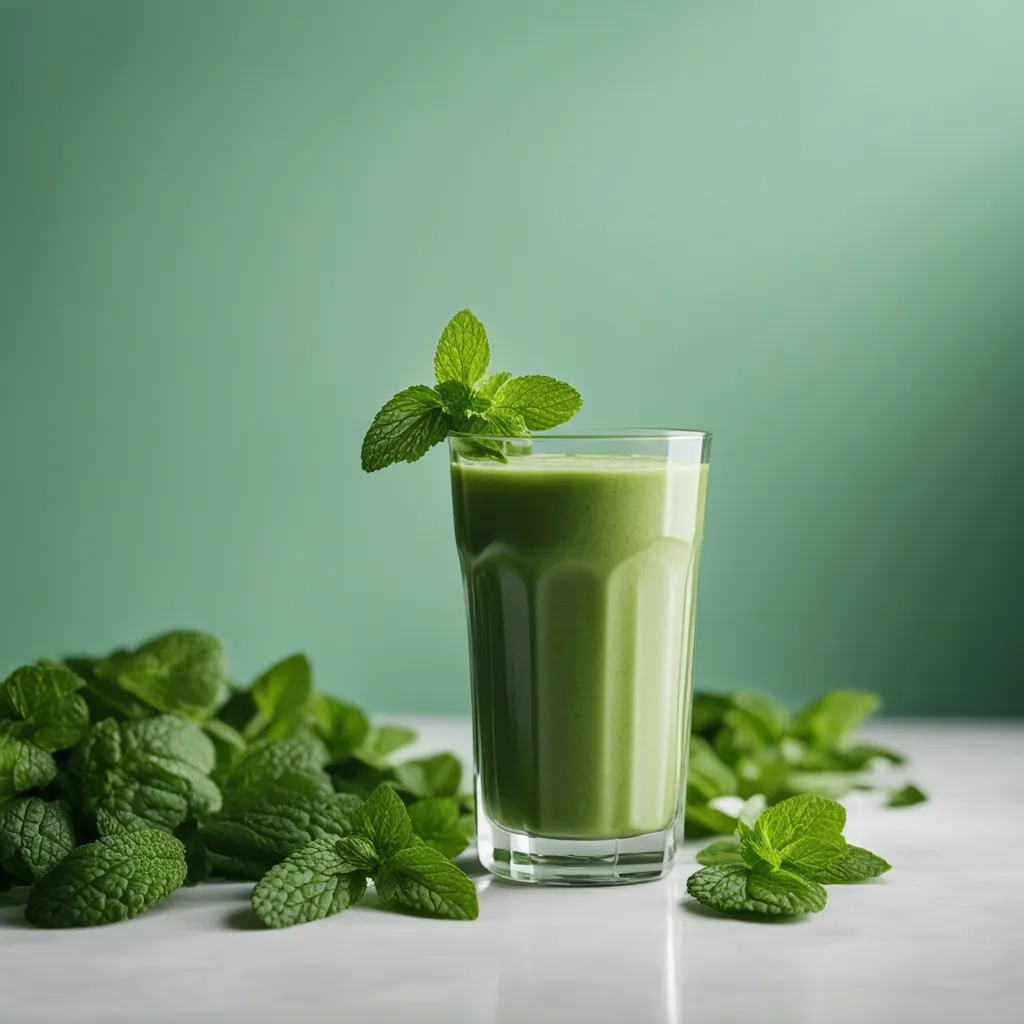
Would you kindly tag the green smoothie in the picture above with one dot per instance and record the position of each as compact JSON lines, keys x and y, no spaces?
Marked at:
{"x":580,"y":576}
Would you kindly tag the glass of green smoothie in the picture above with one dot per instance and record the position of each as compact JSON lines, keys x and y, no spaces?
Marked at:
{"x":580,"y":551}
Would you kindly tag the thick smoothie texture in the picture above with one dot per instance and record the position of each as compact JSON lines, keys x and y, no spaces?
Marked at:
{"x":580,"y":576}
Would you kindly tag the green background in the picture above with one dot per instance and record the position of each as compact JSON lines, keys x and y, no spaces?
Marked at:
{"x":230,"y":231}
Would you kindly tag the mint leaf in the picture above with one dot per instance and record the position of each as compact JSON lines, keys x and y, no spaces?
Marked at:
{"x":811,"y":854}
{"x":43,"y":698}
{"x":309,"y":885}
{"x":342,"y":727}
{"x":855,"y":865}
{"x":268,"y":761}
{"x":281,"y":695}
{"x":424,"y":880}
{"x":463,"y":353}
{"x":800,"y":817}
{"x":113,"y":879}
{"x":543,"y":402}
{"x":157,"y":768}
{"x":906,"y":796}
{"x":109,"y":823}
{"x":835,"y":714}
{"x":405,"y":429}
{"x":437,"y":822}
{"x":502,"y":422}
{"x":722,"y":851}
{"x":104,"y":697}
{"x":23,"y":766}
{"x":35,"y":836}
{"x":736,"y":888}
{"x":258,"y":828}
{"x":708,"y":776}
{"x":439,"y":775}
{"x":358,"y":854}
{"x":458,"y":399}
{"x":384,"y":820}
{"x":487,"y":387}
{"x":182,"y":672}
{"x":381,"y":741}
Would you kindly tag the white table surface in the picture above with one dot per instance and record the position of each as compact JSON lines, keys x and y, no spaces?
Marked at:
{"x":938,"y":939}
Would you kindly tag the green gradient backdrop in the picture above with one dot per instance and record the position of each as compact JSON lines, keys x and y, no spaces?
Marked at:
{"x":229,"y":231}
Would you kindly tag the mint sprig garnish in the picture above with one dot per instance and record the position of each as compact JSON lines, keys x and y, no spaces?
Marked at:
{"x":779,"y":865}
{"x":466,"y":399}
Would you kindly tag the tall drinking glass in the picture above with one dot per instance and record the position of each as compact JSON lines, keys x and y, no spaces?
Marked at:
{"x":579,"y":553}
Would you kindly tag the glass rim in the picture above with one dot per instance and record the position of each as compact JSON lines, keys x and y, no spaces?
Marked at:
{"x":592,"y":434}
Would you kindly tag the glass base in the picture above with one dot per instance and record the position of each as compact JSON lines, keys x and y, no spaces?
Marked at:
{"x":518,"y":857}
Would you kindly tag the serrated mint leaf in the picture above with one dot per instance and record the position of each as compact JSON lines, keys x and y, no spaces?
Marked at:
{"x":268,"y":761}
{"x":543,"y":402}
{"x":342,"y":727}
{"x":43,"y":699}
{"x":463,"y":353}
{"x":384,"y":820}
{"x":458,"y":399}
{"x":906,"y":796}
{"x":855,"y":865}
{"x":258,"y":828}
{"x":437,"y":821}
{"x":405,"y":429}
{"x":35,"y":836}
{"x":113,"y":879}
{"x":487,"y":387}
{"x":23,"y":766}
{"x":755,"y":849}
{"x":281,"y":695}
{"x":182,"y":672}
{"x":439,"y":775}
{"x":381,"y":741}
{"x":835,"y":714}
{"x":722,"y":851}
{"x":157,"y":768}
{"x":736,"y":888}
{"x":811,"y":854}
{"x":310,"y":884}
{"x":426,"y":881}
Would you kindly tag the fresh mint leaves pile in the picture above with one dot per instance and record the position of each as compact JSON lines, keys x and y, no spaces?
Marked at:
{"x":749,"y":746}
{"x":780,"y":863}
{"x":126,"y":776}
{"x":466,"y":399}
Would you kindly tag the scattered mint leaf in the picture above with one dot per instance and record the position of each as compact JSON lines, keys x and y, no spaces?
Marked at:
{"x":35,"y":836}
{"x":835,"y":714}
{"x":281,"y":695}
{"x":906,"y":796}
{"x":855,"y":865}
{"x":722,"y":851}
{"x":426,"y":881}
{"x":736,"y":888}
{"x":463,"y":353}
{"x":384,"y":821}
{"x":182,"y":672}
{"x":308,"y":885}
{"x":342,"y":727}
{"x":439,"y":775}
{"x":258,"y":827}
{"x":405,"y":429}
{"x":382,"y":741}
{"x":437,"y":821}
{"x":113,"y":879}
{"x":543,"y":402}
{"x":42,"y":704}
{"x":157,"y":768}
{"x":23,"y":766}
